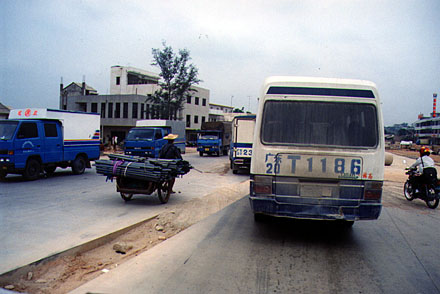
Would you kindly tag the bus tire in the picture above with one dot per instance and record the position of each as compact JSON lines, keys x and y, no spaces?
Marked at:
{"x":259,"y":217}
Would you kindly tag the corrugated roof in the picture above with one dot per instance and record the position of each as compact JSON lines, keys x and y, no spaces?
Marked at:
{"x":4,"y":109}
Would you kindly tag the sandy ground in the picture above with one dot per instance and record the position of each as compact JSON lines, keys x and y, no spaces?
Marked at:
{"x":67,"y":273}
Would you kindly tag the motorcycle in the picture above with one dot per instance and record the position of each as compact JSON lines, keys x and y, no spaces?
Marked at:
{"x":430,"y":193}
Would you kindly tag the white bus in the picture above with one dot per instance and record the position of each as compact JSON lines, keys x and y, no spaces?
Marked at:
{"x":318,"y":150}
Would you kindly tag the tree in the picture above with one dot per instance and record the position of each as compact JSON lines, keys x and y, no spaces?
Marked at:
{"x":238,"y":110}
{"x":177,"y":79}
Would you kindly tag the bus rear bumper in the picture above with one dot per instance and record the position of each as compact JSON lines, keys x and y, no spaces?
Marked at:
{"x":364,"y":211}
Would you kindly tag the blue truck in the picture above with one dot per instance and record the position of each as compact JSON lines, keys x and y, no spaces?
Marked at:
{"x":37,"y":140}
{"x":146,"y":139}
{"x":214,"y":138}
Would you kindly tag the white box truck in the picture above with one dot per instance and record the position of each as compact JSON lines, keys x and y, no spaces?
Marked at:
{"x":241,"y":143}
{"x":34,"y":140}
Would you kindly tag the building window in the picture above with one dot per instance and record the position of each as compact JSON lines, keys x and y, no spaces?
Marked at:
{"x":110,"y":110}
{"x":204,"y":102}
{"x":188,"y":99}
{"x":118,"y":110}
{"x":94,"y":107}
{"x":118,"y":80}
{"x":196,"y":119}
{"x":125,"y":110}
{"x":102,"y":110}
{"x":134,"y":113}
{"x":82,"y":106}
{"x":142,"y":110}
{"x":203,"y":119}
{"x":188,"y":121}
{"x":196,"y":102}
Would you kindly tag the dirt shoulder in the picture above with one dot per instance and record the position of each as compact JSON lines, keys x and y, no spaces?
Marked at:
{"x":412,"y":154}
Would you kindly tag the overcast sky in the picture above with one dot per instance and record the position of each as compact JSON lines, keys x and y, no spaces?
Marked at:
{"x":235,"y":45}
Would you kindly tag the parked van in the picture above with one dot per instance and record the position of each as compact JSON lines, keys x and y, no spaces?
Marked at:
{"x":318,"y":150}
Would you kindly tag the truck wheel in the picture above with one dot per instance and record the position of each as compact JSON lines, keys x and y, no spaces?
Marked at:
{"x":217,"y":153}
{"x":200,"y":153}
{"x":32,"y":170}
{"x":225,"y":152}
{"x":79,"y":165}
{"x":3,"y":175}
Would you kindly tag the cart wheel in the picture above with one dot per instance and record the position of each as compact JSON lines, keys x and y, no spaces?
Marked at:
{"x":163,"y":191}
{"x":126,"y":196}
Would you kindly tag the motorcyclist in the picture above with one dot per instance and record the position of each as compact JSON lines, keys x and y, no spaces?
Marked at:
{"x":426,"y":168}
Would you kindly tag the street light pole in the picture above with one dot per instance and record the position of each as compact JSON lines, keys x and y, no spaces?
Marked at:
{"x":232,"y":96}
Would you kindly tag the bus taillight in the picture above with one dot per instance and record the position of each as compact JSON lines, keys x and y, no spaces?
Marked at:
{"x":373,"y":190}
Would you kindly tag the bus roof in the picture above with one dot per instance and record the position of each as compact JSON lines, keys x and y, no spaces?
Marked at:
{"x":315,"y":81}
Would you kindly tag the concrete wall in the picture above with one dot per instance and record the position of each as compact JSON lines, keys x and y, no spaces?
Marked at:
{"x":124,"y":87}
{"x":195,"y":111}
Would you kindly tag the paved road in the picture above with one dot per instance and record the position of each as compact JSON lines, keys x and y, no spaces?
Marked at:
{"x":47,"y":216}
{"x":230,"y":253}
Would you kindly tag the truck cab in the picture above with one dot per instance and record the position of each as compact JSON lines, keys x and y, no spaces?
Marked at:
{"x":214,"y":138}
{"x":209,"y":142}
{"x":145,"y":141}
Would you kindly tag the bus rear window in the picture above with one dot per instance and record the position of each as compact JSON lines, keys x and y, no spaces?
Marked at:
{"x":336,"y":124}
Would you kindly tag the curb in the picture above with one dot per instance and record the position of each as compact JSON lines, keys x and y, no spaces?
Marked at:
{"x":95,"y":243}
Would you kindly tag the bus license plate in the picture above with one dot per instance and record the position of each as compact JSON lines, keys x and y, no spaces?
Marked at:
{"x":314,"y":166}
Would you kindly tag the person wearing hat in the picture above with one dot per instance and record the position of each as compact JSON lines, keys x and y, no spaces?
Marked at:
{"x":170,"y":151}
{"x":426,"y":167}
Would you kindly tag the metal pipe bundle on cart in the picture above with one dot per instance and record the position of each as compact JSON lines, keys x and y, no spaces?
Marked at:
{"x":140,"y":175}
